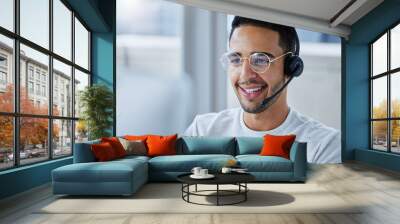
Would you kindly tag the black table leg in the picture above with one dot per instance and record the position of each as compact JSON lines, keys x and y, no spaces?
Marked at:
{"x":217,"y":194}
{"x":196,"y":188}
{"x":245,"y":193}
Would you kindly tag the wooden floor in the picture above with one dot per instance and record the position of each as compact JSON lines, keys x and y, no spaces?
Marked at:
{"x":377,"y":188}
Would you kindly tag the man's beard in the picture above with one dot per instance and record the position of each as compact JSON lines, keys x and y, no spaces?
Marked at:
{"x":262,"y":107}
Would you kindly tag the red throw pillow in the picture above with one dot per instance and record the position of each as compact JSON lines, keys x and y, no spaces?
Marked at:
{"x":116,"y":145}
{"x":103,"y":151}
{"x":277,"y":145}
{"x":136,"y":137}
{"x":161,"y":145}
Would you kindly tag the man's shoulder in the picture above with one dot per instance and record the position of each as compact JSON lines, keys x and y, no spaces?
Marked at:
{"x":312,"y":126}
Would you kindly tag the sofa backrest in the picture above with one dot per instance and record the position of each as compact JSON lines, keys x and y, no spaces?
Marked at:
{"x":206,"y":145}
{"x":83,"y":152}
{"x":249,"y":145}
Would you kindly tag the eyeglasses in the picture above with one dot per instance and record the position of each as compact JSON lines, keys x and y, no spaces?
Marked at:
{"x":259,"y":61}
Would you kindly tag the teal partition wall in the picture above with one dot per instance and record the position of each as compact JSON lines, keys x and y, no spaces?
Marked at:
{"x":356,"y":125}
{"x":100,"y":17}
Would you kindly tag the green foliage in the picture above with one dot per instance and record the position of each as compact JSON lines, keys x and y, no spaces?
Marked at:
{"x":96,"y":102}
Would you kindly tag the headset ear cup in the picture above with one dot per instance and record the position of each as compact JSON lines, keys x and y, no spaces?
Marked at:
{"x":294,"y":66}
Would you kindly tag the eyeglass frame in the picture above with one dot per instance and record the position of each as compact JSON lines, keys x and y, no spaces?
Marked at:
{"x":248,"y":58}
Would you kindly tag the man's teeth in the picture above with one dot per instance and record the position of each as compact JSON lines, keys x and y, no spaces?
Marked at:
{"x":252,"y":90}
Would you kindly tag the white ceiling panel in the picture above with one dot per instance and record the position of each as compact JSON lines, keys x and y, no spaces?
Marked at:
{"x":326,"y":16}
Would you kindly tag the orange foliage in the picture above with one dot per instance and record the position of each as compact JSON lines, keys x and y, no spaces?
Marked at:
{"x":34,"y":130}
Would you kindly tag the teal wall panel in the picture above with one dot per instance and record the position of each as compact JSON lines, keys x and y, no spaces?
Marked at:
{"x":356,"y":85}
{"x":24,"y":178}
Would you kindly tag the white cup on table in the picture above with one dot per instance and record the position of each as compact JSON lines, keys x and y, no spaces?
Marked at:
{"x":196,"y":171}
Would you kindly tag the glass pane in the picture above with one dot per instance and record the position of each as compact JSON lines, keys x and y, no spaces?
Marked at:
{"x":148,"y":32}
{"x":35,"y":21}
{"x":395,"y":136}
{"x":6,"y":74}
{"x":33,"y":139}
{"x":34,"y":97}
{"x":6,"y":142}
{"x":395,"y":94}
{"x":81,"y":45}
{"x":62,"y":138}
{"x":81,"y":131}
{"x":379,"y":98}
{"x":395,"y":47}
{"x":379,"y":135}
{"x":81,"y":81}
{"x":7,"y":14}
{"x":62,"y":29}
{"x":379,"y":55}
{"x":62,"y":89}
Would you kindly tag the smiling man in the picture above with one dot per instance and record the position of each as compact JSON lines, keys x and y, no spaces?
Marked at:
{"x":261,"y":61}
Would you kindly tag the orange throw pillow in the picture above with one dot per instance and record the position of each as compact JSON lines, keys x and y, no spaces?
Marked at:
{"x":161,"y":145}
{"x":103,"y":152}
{"x":277,"y":145}
{"x":116,"y":145}
{"x":136,"y":137}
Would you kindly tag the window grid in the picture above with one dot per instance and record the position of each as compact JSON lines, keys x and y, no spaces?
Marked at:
{"x":17,"y":115}
{"x":388,"y":74}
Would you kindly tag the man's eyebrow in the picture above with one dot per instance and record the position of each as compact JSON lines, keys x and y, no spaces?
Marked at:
{"x":267,"y":53}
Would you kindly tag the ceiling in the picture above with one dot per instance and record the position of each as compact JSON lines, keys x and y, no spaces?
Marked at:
{"x":326,"y":16}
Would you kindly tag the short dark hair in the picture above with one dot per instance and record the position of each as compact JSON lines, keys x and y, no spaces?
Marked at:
{"x":288,"y":39}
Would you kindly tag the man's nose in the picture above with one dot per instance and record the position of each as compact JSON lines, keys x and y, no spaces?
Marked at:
{"x":246,"y":72}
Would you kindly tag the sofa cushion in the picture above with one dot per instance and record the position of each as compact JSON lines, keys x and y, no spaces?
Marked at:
{"x":206,"y":145}
{"x":103,"y":152}
{"x":161,"y":145}
{"x":257,"y":163}
{"x":185,"y":163}
{"x":249,"y":145}
{"x":277,"y":145}
{"x":112,"y":171}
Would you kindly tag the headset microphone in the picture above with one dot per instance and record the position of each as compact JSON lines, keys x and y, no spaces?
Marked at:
{"x":269,"y":99}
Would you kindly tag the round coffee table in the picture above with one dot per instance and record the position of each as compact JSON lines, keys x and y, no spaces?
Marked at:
{"x":238,"y":179}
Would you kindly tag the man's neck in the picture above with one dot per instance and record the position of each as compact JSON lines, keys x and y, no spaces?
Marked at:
{"x":269,"y":119}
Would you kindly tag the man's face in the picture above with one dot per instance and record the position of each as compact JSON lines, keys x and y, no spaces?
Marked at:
{"x":250,"y":87}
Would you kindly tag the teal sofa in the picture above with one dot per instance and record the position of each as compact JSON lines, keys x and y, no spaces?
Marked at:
{"x":125,"y":176}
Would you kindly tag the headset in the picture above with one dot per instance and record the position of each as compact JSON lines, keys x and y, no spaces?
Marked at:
{"x":293,"y":67}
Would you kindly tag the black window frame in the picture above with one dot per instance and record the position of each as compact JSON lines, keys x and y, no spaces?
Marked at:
{"x":16,"y":115}
{"x":388,"y":74}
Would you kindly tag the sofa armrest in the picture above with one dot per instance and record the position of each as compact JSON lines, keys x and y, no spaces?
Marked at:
{"x":83,"y":152}
{"x":298,"y":155}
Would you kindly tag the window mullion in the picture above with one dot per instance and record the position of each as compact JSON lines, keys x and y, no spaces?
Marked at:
{"x":73,"y":82}
{"x":389,"y":106}
{"x":16,"y":84}
{"x":50,"y":81}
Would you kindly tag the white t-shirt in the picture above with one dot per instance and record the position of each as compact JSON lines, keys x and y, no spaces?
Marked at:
{"x":323,"y":142}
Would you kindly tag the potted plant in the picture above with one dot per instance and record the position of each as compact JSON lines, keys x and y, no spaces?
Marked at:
{"x":96,"y":102}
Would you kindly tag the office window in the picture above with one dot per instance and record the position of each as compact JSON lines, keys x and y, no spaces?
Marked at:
{"x":6,"y":72}
{"x":6,"y":142}
{"x":81,"y":45}
{"x":35,"y":21}
{"x":62,"y":137}
{"x":7,"y":14}
{"x":149,"y":38}
{"x":385,"y":91}
{"x":62,"y":29}
{"x":61,"y":74}
{"x":45,"y":131}
{"x":30,"y":87}
{"x":3,"y":78}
